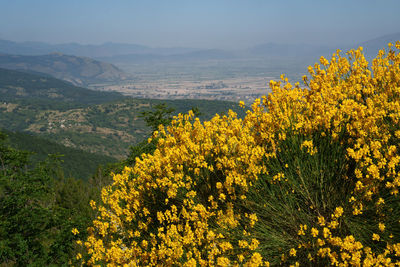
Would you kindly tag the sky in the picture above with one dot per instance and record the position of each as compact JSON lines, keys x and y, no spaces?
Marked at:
{"x":229,"y":24}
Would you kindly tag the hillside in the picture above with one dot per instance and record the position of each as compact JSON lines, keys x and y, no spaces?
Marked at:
{"x":79,"y":71}
{"x":97,"y":122}
{"x":75,"y":163}
{"x":107,"y":129}
{"x":16,"y":85}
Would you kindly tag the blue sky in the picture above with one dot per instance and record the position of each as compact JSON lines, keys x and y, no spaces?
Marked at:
{"x":201,"y":23}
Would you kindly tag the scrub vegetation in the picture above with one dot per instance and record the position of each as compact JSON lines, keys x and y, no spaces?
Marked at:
{"x":309,"y":176}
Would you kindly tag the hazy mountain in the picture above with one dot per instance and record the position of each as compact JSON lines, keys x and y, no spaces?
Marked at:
{"x":289,"y":50}
{"x":273,"y":50}
{"x":371,"y":47}
{"x":77,"y":70}
{"x":133,"y":53}
{"x":114,"y":52}
{"x":25,"y":48}
{"x":102,"y":50}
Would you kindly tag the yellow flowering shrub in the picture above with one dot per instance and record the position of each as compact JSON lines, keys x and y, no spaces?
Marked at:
{"x":176,"y":206}
{"x":310,"y":176}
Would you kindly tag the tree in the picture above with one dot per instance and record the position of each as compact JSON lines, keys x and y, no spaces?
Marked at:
{"x":160,"y":115}
{"x":38,"y":209}
{"x":26,"y":202}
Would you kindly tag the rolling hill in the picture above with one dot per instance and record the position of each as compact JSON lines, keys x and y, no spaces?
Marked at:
{"x":106,"y":129}
{"x":79,"y":71}
{"x":98,"y":122}
{"x":16,"y":85}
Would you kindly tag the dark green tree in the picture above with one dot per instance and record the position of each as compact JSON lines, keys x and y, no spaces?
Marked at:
{"x":26,"y":201}
{"x":161,"y":114}
{"x":38,"y":209}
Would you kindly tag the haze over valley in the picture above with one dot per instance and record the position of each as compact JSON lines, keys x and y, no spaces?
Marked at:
{"x":174,"y":73}
{"x":90,"y":97}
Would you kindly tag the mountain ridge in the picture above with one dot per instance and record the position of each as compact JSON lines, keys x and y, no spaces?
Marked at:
{"x":80,"y":71}
{"x":88,"y":50}
{"x":372,"y":46}
{"x":122,"y":52}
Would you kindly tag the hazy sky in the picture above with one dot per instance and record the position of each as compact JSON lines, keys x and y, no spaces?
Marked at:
{"x":200,"y":23}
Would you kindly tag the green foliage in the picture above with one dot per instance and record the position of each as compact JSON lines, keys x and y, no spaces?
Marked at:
{"x":312,"y":186}
{"x":40,"y":202}
{"x":38,"y":209}
{"x":160,"y":115}
{"x":74,"y":162}
{"x":25,"y":214}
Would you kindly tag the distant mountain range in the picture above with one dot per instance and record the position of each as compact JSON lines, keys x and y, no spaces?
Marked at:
{"x":79,"y":71}
{"x":373,"y":46}
{"x":102,"y":50}
{"x":118,"y":52}
{"x":274,"y":50}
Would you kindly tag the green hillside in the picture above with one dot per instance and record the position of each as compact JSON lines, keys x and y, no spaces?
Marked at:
{"x":103,"y":123}
{"x":16,"y":85}
{"x":107,"y":129}
{"x":75,"y":163}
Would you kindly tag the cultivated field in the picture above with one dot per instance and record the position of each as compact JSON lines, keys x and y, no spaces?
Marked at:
{"x":227,"y":80}
{"x":234,"y":89}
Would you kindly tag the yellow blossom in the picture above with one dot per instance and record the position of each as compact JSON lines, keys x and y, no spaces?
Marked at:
{"x":314,"y":232}
{"x":75,"y":231}
{"x":292,"y":252}
{"x":375,"y":237}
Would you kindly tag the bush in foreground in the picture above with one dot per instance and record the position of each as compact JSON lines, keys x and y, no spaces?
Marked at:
{"x":309,"y":177}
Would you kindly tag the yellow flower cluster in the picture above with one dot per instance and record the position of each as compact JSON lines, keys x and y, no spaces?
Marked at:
{"x":176,"y":205}
{"x":181,"y":205}
{"x":360,"y":107}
